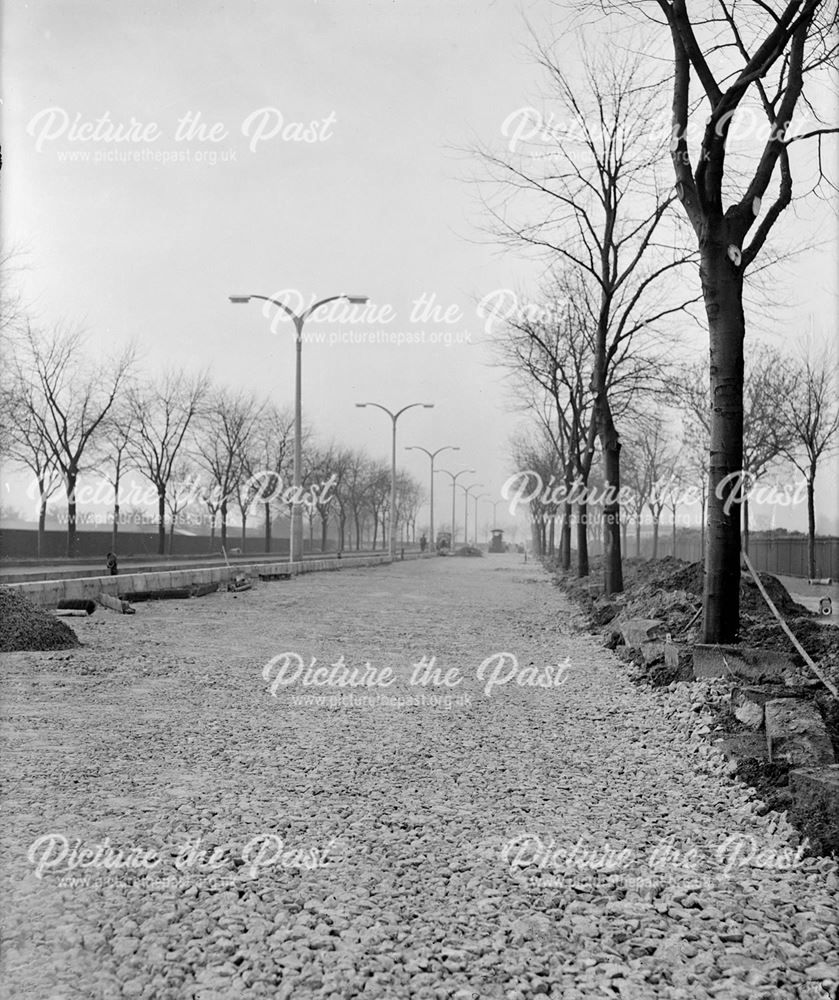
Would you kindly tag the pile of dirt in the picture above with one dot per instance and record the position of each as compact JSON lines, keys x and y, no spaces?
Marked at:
{"x":752,"y":602}
{"x":24,"y":626}
{"x":683,"y":576}
{"x":671,"y":590}
{"x":468,"y":550}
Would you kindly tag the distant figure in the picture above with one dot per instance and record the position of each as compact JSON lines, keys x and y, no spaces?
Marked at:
{"x":423,"y":543}
{"x":111,"y":561}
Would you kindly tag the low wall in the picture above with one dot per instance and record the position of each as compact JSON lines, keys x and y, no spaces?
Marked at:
{"x":48,"y":593}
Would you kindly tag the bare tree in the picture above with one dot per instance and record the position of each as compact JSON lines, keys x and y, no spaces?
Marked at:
{"x":209,"y":497}
{"x":810,"y":415}
{"x":11,"y":315}
{"x":224,"y":433}
{"x":602,"y":208}
{"x":180,"y":493}
{"x":691,"y":396}
{"x":344,"y":464}
{"x":353,"y":490}
{"x":321,"y":465}
{"x":165,"y":410}
{"x":249,"y":487}
{"x":409,"y":497}
{"x":678,"y":485}
{"x":657,"y":460}
{"x":743,"y":56}
{"x":273,"y":443}
{"x":548,"y":352}
{"x":637,"y":479}
{"x":535,"y":452}
{"x":29,"y":445}
{"x":75,"y":397}
{"x":551,"y":352}
{"x":767,"y":383}
{"x":377,"y":495}
{"x":113,"y":455}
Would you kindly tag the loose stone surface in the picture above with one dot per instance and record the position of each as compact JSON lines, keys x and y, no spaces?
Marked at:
{"x":796,"y":732}
{"x":183,"y":823}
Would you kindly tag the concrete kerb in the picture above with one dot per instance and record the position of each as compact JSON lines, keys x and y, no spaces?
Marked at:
{"x":47,"y":593}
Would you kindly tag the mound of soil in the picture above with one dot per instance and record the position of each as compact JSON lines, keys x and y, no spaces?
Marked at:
{"x":468,"y":550}
{"x":752,"y":602}
{"x":683,"y":576}
{"x":671,"y":590}
{"x":25,"y":626}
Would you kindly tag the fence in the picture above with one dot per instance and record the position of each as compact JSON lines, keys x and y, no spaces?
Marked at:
{"x":19,"y":543}
{"x":784,"y":555}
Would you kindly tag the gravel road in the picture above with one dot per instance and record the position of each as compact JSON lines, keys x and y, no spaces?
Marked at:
{"x":182,"y":823}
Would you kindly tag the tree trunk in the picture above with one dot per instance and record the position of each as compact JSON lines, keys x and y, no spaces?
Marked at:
{"x":655,"y":536}
{"x":811,"y":525}
{"x":673,"y":536}
{"x":267,"y":528}
{"x":702,"y":529}
{"x":744,"y":536}
{"x":224,"y":525}
{"x":536,"y":537}
{"x":42,"y":519}
{"x":612,"y":568}
{"x":744,"y":541}
{"x":161,"y":520}
{"x":72,"y":533}
{"x":566,"y":538}
{"x":551,"y":536}
{"x":324,"y":531}
{"x":172,"y":535}
{"x":722,"y":289}
{"x":244,"y":532}
{"x":624,"y":533}
{"x":638,"y":535}
{"x":213,"y":532}
{"x":582,"y":540}
{"x":115,"y":529}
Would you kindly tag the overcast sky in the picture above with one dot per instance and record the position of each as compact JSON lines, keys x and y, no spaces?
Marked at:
{"x":379,"y":203}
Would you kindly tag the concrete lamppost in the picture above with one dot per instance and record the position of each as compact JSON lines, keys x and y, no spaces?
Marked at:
{"x":295,"y":541}
{"x":454,"y":476}
{"x":394,"y":417}
{"x":495,"y":504}
{"x":432,"y":455}
{"x":466,"y":492}
{"x":476,"y":498}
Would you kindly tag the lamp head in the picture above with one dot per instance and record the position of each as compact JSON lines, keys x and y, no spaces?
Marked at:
{"x":239,"y":298}
{"x":356,"y":300}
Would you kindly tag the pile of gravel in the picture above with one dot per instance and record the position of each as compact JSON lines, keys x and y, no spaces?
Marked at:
{"x":24,"y":626}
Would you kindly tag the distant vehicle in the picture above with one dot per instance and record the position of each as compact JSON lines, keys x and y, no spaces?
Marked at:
{"x":444,"y":542}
